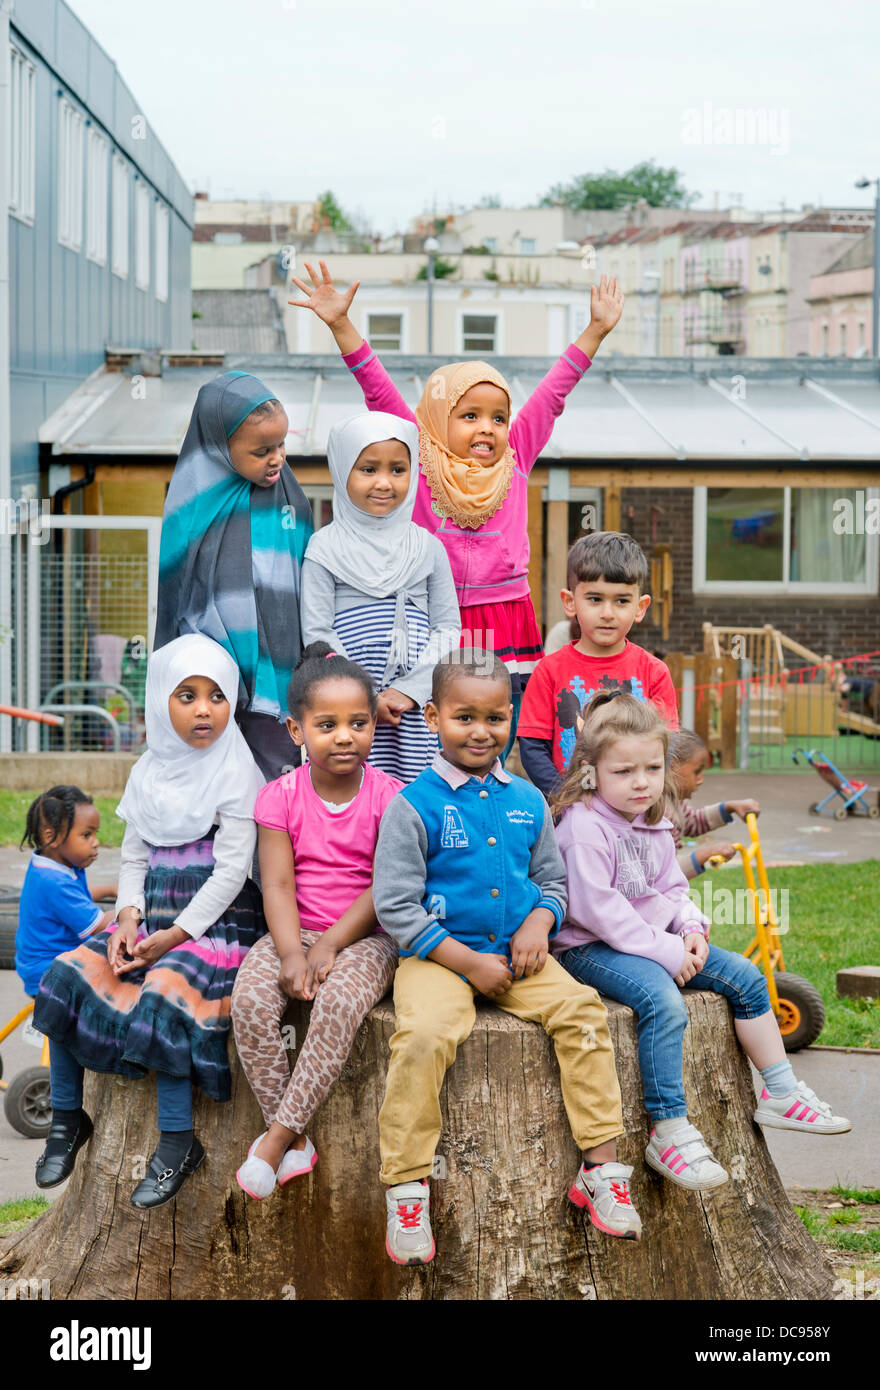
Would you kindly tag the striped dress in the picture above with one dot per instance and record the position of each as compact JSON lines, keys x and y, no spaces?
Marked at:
{"x":172,"y":1017}
{"x":404,"y":750}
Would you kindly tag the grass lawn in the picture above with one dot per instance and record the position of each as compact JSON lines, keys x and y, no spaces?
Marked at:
{"x":13,"y":811}
{"x":20,"y":1211}
{"x":832,"y":920}
{"x":845,"y":1221}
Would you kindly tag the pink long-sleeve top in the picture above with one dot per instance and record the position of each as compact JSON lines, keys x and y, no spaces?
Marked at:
{"x":625,"y":886}
{"x":490,"y":564}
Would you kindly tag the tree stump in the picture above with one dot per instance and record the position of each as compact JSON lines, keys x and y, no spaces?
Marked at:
{"x":503,"y":1225}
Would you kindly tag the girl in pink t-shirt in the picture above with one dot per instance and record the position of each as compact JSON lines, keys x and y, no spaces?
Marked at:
{"x":317,"y":836}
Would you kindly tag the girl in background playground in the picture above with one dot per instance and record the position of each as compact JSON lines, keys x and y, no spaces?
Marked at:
{"x":57,"y":908}
{"x":474,"y":467}
{"x":379,"y":589}
{"x":318,"y":830}
{"x":234,"y":533}
{"x":689,"y":757}
{"x":154,"y":994}
{"x":633,"y":933}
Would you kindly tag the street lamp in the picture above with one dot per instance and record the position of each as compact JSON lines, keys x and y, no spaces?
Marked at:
{"x":432,"y":246}
{"x":875,"y":314}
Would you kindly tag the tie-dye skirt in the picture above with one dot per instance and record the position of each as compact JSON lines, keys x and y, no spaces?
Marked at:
{"x":173,"y":1017}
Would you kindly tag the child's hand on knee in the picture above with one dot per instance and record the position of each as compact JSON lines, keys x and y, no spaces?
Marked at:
{"x":123,"y":940}
{"x":489,"y":975}
{"x":696,"y":943}
{"x":145,"y":953}
{"x":528,"y":945}
{"x":292,"y":975}
{"x":690,"y":967}
{"x":319,"y":963}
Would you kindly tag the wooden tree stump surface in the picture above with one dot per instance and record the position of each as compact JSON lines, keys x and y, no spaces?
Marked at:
{"x":502,"y":1221}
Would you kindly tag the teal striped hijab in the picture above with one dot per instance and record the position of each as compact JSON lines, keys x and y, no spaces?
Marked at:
{"x":231,"y":552}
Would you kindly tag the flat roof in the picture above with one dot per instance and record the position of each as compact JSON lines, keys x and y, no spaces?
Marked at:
{"x":780,"y":410}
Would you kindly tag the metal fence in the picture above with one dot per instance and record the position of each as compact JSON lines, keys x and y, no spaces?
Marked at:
{"x":83,"y":604}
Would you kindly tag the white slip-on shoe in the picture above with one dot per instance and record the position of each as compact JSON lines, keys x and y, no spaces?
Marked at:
{"x":296,"y":1162}
{"x":255,"y":1176}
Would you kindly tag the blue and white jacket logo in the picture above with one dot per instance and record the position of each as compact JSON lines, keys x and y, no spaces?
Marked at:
{"x":454,"y":834}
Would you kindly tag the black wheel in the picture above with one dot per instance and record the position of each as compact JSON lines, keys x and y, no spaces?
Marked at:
{"x":801,"y":1011}
{"x":8,"y":927}
{"x":840,"y":813}
{"x":27,"y":1105}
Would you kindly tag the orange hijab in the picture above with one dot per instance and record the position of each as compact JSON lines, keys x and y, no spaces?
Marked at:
{"x":464,"y":491}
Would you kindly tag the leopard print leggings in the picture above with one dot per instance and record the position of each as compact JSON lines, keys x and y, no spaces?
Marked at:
{"x":361,"y":975}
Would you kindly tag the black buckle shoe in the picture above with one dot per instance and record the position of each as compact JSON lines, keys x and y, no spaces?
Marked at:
{"x":51,"y":1169}
{"x":161,"y":1183}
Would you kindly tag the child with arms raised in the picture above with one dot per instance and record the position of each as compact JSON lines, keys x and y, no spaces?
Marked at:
{"x":633,"y":933}
{"x":234,"y":532}
{"x":474,"y":467}
{"x":154,"y":993}
{"x":378,"y":588}
{"x":318,"y":827}
{"x":462,"y":825}
{"x":606,"y":595}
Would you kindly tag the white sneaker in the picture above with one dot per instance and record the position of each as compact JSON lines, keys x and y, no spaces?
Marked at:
{"x":408,"y":1237}
{"x":604,"y":1191}
{"x":800,"y":1109}
{"x":685,"y":1159}
{"x":296,"y":1162}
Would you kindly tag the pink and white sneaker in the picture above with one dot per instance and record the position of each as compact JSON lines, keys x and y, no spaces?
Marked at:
{"x":800,"y":1109}
{"x":408,"y":1236}
{"x":604,"y":1191}
{"x":685,"y":1159}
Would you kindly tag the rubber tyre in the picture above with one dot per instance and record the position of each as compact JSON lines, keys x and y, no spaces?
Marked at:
{"x":27,"y":1103}
{"x":802,"y":1012}
{"x":840,"y":813}
{"x":8,"y":927}
{"x":874,"y":812}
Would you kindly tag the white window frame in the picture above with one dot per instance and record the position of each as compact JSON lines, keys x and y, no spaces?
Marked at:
{"x":773,"y":588}
{"x":22,"y":105}
{"x":163,"y":251}
{"x":475,"y":311}
{"x":578,"y":318}
{"x":528,"y":241}
{"x":120,"y":193}
{"x":97,"y":176}
{"x":491,"y":244}
{"x":141,"y":235}
{"x":376,"y":309}
{"x":71,"y":126}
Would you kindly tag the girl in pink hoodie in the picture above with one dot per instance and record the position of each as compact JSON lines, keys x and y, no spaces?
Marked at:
{"x":634,"y":934}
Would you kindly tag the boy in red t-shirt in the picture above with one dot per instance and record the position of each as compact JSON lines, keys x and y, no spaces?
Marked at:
{"x":607,"y":579}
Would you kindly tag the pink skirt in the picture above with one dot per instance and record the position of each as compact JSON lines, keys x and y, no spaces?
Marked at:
{"x":508,"y":629}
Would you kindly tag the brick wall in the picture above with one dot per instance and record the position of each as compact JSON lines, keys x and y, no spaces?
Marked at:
{"x":841,"y":626}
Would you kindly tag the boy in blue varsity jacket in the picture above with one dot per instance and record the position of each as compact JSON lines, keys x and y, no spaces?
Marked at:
{"x":469,"y":881}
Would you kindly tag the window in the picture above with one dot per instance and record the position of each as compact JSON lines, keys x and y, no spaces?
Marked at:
{"x":97,"y":152}
{"x":528,"y":246}
{"x":385,"y":332}
{"x":142,"y":235}
{"x":162,"y":225}
{"x":843,"y":340}
{"x":491,"y":244}
{"x":70,"y":175}
{"x":479,"y":332}
{"x":824,"y":339}
{"x":21,"y":166}
{"x":784,"y":540}
{"x":120,"y":217}
{"x":861,"y":333}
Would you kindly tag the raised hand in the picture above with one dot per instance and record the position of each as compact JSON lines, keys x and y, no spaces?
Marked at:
{"x":323,"y":298}
{"x":606,"y":305}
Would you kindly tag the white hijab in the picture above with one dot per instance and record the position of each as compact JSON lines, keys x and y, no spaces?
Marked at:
{"x":377,"y":555}
{"x":175,"y":793}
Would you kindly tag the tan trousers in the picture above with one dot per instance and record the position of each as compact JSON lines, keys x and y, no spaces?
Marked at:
{"x":435,"y":1013}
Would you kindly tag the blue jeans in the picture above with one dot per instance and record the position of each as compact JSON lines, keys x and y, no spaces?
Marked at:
{"x":173,"y":1093}
{"x":655,"y":998}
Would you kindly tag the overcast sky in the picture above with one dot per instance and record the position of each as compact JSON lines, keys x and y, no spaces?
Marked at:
{"x":397,"y":107}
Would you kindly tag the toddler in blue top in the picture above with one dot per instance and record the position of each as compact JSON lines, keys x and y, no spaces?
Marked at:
{"x":57,"y":909}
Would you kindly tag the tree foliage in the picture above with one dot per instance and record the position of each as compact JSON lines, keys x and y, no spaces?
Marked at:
{"x":659,"y":187}
{"x":333,"y":212}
